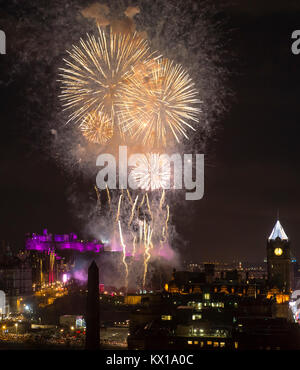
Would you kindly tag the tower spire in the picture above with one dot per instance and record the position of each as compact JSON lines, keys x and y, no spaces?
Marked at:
{"x":278,"y":232}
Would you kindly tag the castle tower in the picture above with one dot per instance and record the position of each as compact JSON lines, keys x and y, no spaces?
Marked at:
{"x":279,"y":259}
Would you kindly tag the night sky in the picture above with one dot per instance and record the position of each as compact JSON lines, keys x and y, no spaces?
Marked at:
{"x":252,"y":159}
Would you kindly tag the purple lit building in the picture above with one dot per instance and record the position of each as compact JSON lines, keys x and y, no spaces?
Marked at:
{"x":53,"y":255}
{"x":46,"y":242}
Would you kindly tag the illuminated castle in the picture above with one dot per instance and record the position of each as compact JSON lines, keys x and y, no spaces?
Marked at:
{"x":51,"y":252}
{"x":70,"y":241}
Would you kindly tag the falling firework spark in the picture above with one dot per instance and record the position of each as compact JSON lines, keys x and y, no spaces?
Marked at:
{"x":132,"y":210}
{"x":124,"y":255}
{"x":98,"y":198}
{"x":168,"y":216}
{"x":147,"y":244}
{"x":160,"y":107}
{"x":129,"y":196}
{"x":97,"y":69}
{"x":97,"y":127}
{"x":108,"y":195}
{"x":119,"y":207}
{"x":162,"y":199}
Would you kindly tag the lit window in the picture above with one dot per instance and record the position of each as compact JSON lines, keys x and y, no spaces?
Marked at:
{"x":209,"y":343}
{"x":196,"y":317}
{"x":190,"y":342}
{"x":236,"y":344}
{"x":196,"y":342}
{"x":166,"y":317}
{"x":216,"y":344}
{"x":202,"y":344}
{"x":222,"y":344}
{"x":206,"y":296}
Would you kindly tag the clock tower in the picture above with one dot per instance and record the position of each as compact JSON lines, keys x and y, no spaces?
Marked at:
{"x":279,"y":259}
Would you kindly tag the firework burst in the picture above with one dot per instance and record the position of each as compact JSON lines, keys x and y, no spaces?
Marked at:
{"x":159,"y":103}
{"x":96,"y":70}
{"x":97,"y":127}
{"x":152,"y":172}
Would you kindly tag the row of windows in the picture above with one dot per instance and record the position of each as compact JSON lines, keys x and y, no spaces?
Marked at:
{"x":169,"y":317}
{"x":200,"y":332}
{"x":199,"y":305}
{"x":210,"y":343}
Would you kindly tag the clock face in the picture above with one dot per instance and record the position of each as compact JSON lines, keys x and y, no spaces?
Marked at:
{"x":278,"y":251}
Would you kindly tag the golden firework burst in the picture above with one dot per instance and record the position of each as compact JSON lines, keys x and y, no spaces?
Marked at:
{"x":95,"y":71}
{"x":97,"y":127}
{"x":159,"y":103}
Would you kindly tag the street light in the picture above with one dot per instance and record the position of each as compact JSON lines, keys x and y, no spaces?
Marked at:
{"x":16,"y":325}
